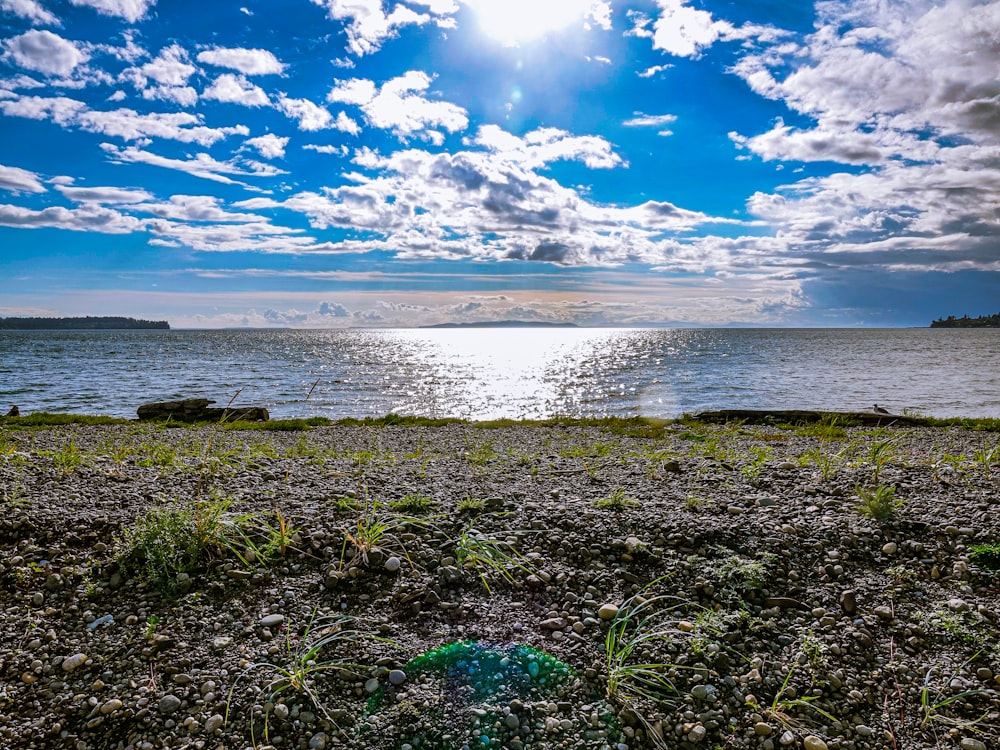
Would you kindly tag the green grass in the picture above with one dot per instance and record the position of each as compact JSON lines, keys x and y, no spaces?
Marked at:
{"x":878,"y":503}
{"x":986,"y":556}
{"x":617,"y":500}
{"x":184,"y":537}
{"x":301,"y":672}
{"x":489,"y":558}
{"x":414,"y":503}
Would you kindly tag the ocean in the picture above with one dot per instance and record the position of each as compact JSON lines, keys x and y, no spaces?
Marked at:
{"x":483,"y":373}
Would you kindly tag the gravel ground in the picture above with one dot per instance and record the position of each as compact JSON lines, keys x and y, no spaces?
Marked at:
{"x":685,"y":586}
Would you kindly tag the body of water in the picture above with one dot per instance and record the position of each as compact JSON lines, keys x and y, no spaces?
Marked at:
{"x":481,"y":373}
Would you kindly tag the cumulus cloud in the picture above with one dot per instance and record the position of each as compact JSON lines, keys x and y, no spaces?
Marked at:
{"x":17,"y":180}
{"x":311,"y":116}
{"x":237,"y":90}
{"x":909,"y":93}
{"x":684,"y":31}
{"x":270,"y":146}
{"x":399,"y":106}
{"x":126,"y":124}
{"x":165,"y":77}
{"x":87,"y":218}
{"x":545,"y":145}
{"x":250,"y":62}
{"x":333,"y":310}
{"x":130,"y":10}
{"x":368,"y":25}
{"x":109,"y":195}
{"x":44,"y":52}
{"x":30,"y":10}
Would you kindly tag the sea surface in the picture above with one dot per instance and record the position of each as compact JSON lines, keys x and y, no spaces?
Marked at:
{"x":481,"y":373}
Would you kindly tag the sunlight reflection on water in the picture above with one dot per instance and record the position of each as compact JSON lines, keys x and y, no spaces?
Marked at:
{"x":487,"y":373}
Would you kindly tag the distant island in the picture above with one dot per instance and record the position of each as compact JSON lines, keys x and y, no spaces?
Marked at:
{"x":504,"y":324}
{"x":983,"y":321}
{"x":88,"y":323}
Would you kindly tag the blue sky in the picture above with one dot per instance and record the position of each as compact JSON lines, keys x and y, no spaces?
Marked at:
{"x":334,"y":163}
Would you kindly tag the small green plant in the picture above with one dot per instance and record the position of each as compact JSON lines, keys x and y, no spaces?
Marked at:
{"x":878,"y":503}
{"x":181,"y":538}
{"x":478,"y":454}
{"x":985,"y":458}
{"x":152,"y":623}
{"x":375,"y":531}
{"x":693,"y":502}
{"x":934,"y":701}
{"x":617,"y":500}
{"x":827,"y":428}
{"x":827,"y":463}
{"x":413,"y":503}
{"x":488,"y":557}
{"x":68,"y":458}
{"x":14,"y":495}
{"x":986,"y":556}
{"x":471,"y":505}
{"x":303,"y":664}
{"x":783,"y":706}
{"x":752,"y":470}
{"x":879,"y":455}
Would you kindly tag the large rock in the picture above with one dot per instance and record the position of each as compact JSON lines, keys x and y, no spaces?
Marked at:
{"x":198,"y":410}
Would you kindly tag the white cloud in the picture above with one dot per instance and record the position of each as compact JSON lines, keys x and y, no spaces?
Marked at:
{"x":237,"y":90}
{"x":31,"y":10}
{"x":368,"y":24}
{"x":202,"y":165}
{"x":130,"y":10}
{"x":110,"y":195}
{"x":652,"y":121}
{"x":541,"y":147}
{"x":311,"y":116}
{"x":653,"y":70}
{"x":129,"y":125}
{"x":87,"y":218}
{"x":199,"y":208}
{"x":165,"y":77}
{"x":397,"y":105}
{"x":246,"y":61}
{"x":17,"y":180}
{"x":270,"y":146}
{"x":44,"y":52}
{"x":346,"y":124}
{"x":339,"y":150}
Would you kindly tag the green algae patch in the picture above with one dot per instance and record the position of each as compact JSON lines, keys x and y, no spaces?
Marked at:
{"x":473,"y":695}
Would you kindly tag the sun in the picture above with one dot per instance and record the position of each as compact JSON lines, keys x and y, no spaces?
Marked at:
{"x":515,"y":22}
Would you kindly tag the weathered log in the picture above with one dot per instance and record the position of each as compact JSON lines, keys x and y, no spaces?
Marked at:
{"x":198,"y":410}
{"x":806,"y":416}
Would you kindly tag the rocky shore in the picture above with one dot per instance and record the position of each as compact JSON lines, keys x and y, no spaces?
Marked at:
{"x":459,"y":586}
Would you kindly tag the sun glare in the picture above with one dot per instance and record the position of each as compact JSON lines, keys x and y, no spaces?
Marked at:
{"x":516,"y":21}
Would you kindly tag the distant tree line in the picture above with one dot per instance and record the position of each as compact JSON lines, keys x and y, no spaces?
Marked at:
{"x":89,"y":323}
{"x":983,"y":321}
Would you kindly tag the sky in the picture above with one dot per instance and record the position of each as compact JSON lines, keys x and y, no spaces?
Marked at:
{"x":344,"y":163}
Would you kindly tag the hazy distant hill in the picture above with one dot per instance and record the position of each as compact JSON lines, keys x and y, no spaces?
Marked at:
{"x":504,"y":324}
{"x":79,"y":324}
{"x":983,"y":321}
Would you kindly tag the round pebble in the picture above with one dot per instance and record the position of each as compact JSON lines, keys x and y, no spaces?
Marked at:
{"x":608,"y":611}
{"x":397,"y":677}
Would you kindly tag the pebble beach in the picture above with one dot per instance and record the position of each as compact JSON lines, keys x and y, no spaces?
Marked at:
{"x":608,"y":586}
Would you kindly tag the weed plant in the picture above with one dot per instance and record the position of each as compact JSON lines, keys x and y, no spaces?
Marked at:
{"x":783,"y":706}
{"x":878,"y":503}
{"x":617,"y":500}
{"x":304,"y":663}
{"x":413,"y":503}
{"x":986,"y":556}
{"x":934,"y":702}
{"x":488,"y":557}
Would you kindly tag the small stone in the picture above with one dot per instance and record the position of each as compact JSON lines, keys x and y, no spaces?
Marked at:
{"x":958,"y":605}
{"x":786,"y":738}
{"x":848,"y":601}
{"x":890,"y":548}
{"x":734,"y":510}
{"x":393,"y":564}
{"x":761,"y":729}
{"x":884,"y":613}
{"x":397,"y":677}
{"x":371,"y":685}
{"x":317,"y":741}
{"x":968,"y":743}
{"x":111,"y":706}
{"x":214,"y":723}
{"x":607,"y":611}
{"x":281,"y":711}
{"x":685,"y":627}
{"x":271,"y":621}
{"x":864,"y":730}
{"x":37,"y":599}
{"x":553,"y":623}
{"x":512,"y":721}
{"x":73,"y":662}
{"x":985,"y":674}
{"x":168,"y":704}
{"x":697,"y":734}
{"x":812,"y":742}
{"x":28,"y":678}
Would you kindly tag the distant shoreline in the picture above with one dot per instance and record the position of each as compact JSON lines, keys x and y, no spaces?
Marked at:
{"x":89,"y":323}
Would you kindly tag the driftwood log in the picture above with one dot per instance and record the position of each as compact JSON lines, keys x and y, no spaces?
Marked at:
{"x":797,"y":416}
{"x":198,"y":410}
